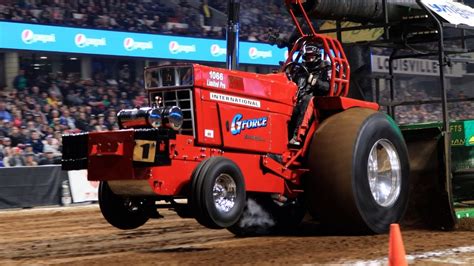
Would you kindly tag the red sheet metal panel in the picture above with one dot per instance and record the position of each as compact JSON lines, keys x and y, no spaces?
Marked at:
{"x":110,"y":155}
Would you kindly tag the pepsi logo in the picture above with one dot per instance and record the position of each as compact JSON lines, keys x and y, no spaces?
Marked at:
{"x":80,"y":40}
{"x":128,"y":43}
{"x":27,"y":36}
{"x":216,"y":50}
{"x":254,"y":53}
{"x":173,"y":46}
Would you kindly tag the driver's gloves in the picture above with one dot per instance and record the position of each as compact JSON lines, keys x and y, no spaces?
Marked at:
{"x":312,"y":79}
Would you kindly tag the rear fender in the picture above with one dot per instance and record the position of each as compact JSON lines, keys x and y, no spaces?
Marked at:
{"x":325,"y":107}
{"x":342,"y":103}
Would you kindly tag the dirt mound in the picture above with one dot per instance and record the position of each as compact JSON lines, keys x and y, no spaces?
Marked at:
{"x":466,"y":224}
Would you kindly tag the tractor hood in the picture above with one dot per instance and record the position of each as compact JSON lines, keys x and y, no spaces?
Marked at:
{"x":269,"y":87}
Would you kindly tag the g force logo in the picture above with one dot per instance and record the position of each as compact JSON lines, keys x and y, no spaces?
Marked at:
{"x":239,"y":124}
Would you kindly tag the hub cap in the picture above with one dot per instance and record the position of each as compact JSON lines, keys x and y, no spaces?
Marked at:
{"x":130,"y":205}
{"x":384,"y":173}
{"x":224,"y":193}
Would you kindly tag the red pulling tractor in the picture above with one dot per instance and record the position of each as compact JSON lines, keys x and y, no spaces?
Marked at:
{"x":220,"y":139}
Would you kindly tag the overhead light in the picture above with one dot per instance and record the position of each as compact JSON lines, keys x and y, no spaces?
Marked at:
{"x":37,"y":68}
{"x":43,"y":57}
{"x":36,"y":64}
{"x":73,"y":58}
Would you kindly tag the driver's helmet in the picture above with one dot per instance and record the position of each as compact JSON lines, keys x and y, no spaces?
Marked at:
{"x":311,"y":55}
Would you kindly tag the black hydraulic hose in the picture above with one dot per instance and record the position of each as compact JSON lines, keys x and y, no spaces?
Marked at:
{"x":359,"y":10}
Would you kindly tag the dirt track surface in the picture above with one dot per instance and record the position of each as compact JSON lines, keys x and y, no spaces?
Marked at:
{"x":79,"y":235}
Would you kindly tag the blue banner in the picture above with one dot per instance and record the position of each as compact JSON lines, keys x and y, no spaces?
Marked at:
{"x":35,"y":37}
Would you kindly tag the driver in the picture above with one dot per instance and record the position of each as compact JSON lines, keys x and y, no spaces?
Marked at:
{"x":318,"y":78}
{"x":315,"y":82}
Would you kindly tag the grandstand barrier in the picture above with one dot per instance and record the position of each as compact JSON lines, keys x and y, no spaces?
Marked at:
{"x":28,"y":187}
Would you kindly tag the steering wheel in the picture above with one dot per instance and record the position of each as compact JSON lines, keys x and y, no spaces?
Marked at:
{"x":294,"y":70}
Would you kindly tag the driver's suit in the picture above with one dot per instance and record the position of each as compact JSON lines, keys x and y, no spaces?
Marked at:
{"x":314,"y":84}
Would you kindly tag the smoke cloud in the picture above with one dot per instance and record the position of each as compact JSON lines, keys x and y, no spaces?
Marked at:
{"x":256,"y":218}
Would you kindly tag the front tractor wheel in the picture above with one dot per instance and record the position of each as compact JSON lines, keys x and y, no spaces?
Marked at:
{"x":217,"y":193}
{"x":121,"y":212}
{"x":359,"y":172}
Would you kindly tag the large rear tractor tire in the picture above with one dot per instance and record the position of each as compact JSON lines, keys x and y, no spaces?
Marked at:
{"x":359,"y":172}
{"x":264,"y":216}
{"x":218,"y":194}
{"x":121,"y":212}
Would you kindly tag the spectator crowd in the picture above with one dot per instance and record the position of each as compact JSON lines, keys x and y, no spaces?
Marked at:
{"x":35,"y":114}
{"x":410,"y":113}
{"x":193,"y":18}
{"x":259,"y":19}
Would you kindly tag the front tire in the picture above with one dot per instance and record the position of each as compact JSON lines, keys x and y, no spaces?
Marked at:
{"x":218,"y":193}
{"x":123,"y":213}
{"x":359,"y":172}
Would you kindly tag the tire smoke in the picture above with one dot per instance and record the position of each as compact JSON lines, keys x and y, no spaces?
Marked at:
{"x":256,"y":217}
